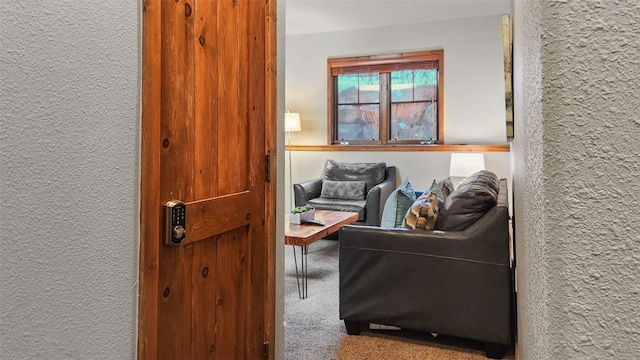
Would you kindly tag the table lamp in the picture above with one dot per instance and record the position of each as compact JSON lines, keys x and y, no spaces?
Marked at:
{"x":464,"y":164}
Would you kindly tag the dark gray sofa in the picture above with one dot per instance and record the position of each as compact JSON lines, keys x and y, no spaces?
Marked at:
{"x":380,"y":182}
{"x":456,"y":283}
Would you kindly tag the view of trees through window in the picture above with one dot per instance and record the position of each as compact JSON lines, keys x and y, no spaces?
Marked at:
{"x":359,"y":106}
{"x":414,"y":105}
{"x":392,"y":100}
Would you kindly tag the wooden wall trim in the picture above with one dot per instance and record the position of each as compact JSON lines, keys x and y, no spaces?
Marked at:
{"x":412,"y":148}
{"x":271,"y":102}
{"x":150,"y":221}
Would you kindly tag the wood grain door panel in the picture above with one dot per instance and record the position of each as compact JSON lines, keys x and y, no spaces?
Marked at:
{"x":208,"y":92}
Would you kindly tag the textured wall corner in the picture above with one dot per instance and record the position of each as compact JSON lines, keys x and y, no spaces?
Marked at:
{"x":528,"y":179}
{"x":69,"y":119}
{"x":578,"y":270}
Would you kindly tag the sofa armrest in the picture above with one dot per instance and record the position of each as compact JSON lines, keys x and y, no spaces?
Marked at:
{"x":306,"y":191}
{"x":485,"y":241}
{"x":377,"y":197}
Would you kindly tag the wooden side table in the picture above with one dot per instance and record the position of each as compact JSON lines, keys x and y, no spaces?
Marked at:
{"x":304,"y":234}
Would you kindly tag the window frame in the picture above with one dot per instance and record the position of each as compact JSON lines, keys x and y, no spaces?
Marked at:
{"x":341,"y":65}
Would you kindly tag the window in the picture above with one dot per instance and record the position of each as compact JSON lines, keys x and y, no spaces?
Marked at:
{"x":386,"y":99}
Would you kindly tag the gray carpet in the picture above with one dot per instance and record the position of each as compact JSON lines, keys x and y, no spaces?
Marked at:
{"x":313,"y":329}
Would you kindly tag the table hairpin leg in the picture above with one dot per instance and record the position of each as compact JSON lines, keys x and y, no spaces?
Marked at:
{"x":305,"y":274}
{"x":304,"y":250}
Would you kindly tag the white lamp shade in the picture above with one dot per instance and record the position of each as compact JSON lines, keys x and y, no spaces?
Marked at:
{"x":292,"y":122}
{"x":465,"y":164}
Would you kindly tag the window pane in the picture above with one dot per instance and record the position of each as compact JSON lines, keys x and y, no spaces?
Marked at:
{"x":426,"y":82}
{"x":414,"y":121}
{"x":369,"y":88}
{"x":359,"y":88}
{"x":402,"y":85}
{"x":348,"y":89}
{"x":358,"y":122}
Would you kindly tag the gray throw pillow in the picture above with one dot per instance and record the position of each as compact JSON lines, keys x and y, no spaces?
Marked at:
{"x":446,"y":187}
{"x":437,"y":190}
{"x":348,"y":190}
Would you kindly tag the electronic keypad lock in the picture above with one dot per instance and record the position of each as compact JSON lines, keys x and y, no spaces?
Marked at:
{"x":175,"y":219}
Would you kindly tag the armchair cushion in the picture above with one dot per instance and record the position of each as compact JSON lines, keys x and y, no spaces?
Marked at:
{"x":322,"y":203}
{"x":372,"y":173}
{"x":348,"y":190}
{"x":397,"y":205}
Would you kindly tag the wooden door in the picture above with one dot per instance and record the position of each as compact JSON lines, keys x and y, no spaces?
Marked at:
{"x":208,"y":128}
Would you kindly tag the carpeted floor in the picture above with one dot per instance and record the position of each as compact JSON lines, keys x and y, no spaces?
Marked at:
{"x":313,"y":328}
{"x":314,"y":331}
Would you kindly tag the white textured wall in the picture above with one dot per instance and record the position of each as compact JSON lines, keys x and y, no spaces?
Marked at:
{"x":577,"y":66}
{"x":474,"y":106}
{"x":69,"y":150}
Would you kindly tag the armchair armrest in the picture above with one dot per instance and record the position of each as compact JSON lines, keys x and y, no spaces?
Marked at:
{"x":306,"y":191}
{"x":377,"y":197}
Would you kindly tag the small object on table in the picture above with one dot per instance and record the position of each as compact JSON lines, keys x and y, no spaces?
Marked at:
{"x":302,"y":214}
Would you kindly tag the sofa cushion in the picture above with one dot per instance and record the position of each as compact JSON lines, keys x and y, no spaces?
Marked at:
{"x":397,"y":205}
{"x":340,"y":205}
{"x":469,"y":202}
{"x":372,"y":173}
{"x":348,"y":190}
{"x":423,"y":213}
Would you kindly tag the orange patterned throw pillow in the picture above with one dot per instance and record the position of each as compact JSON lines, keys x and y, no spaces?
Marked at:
{"x":423,"y":214}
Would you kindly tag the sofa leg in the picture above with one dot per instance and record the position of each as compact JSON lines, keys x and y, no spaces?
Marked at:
{"x":353,"y":327}
{"x":495,"y":351}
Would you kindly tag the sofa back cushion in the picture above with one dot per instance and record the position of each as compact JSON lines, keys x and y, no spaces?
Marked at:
{"x":371,"y":173}
{"x":469,"y":202}
{"x":397,"y":205}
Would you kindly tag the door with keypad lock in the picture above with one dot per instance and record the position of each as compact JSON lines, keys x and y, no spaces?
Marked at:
{"x":207,"y":227}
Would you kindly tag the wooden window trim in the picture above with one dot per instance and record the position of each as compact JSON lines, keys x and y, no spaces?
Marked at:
{"x":404,"y":147}
{"x":398,"y":61}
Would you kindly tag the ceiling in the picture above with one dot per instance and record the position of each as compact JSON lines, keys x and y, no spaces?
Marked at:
{"x":315,"y":16}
